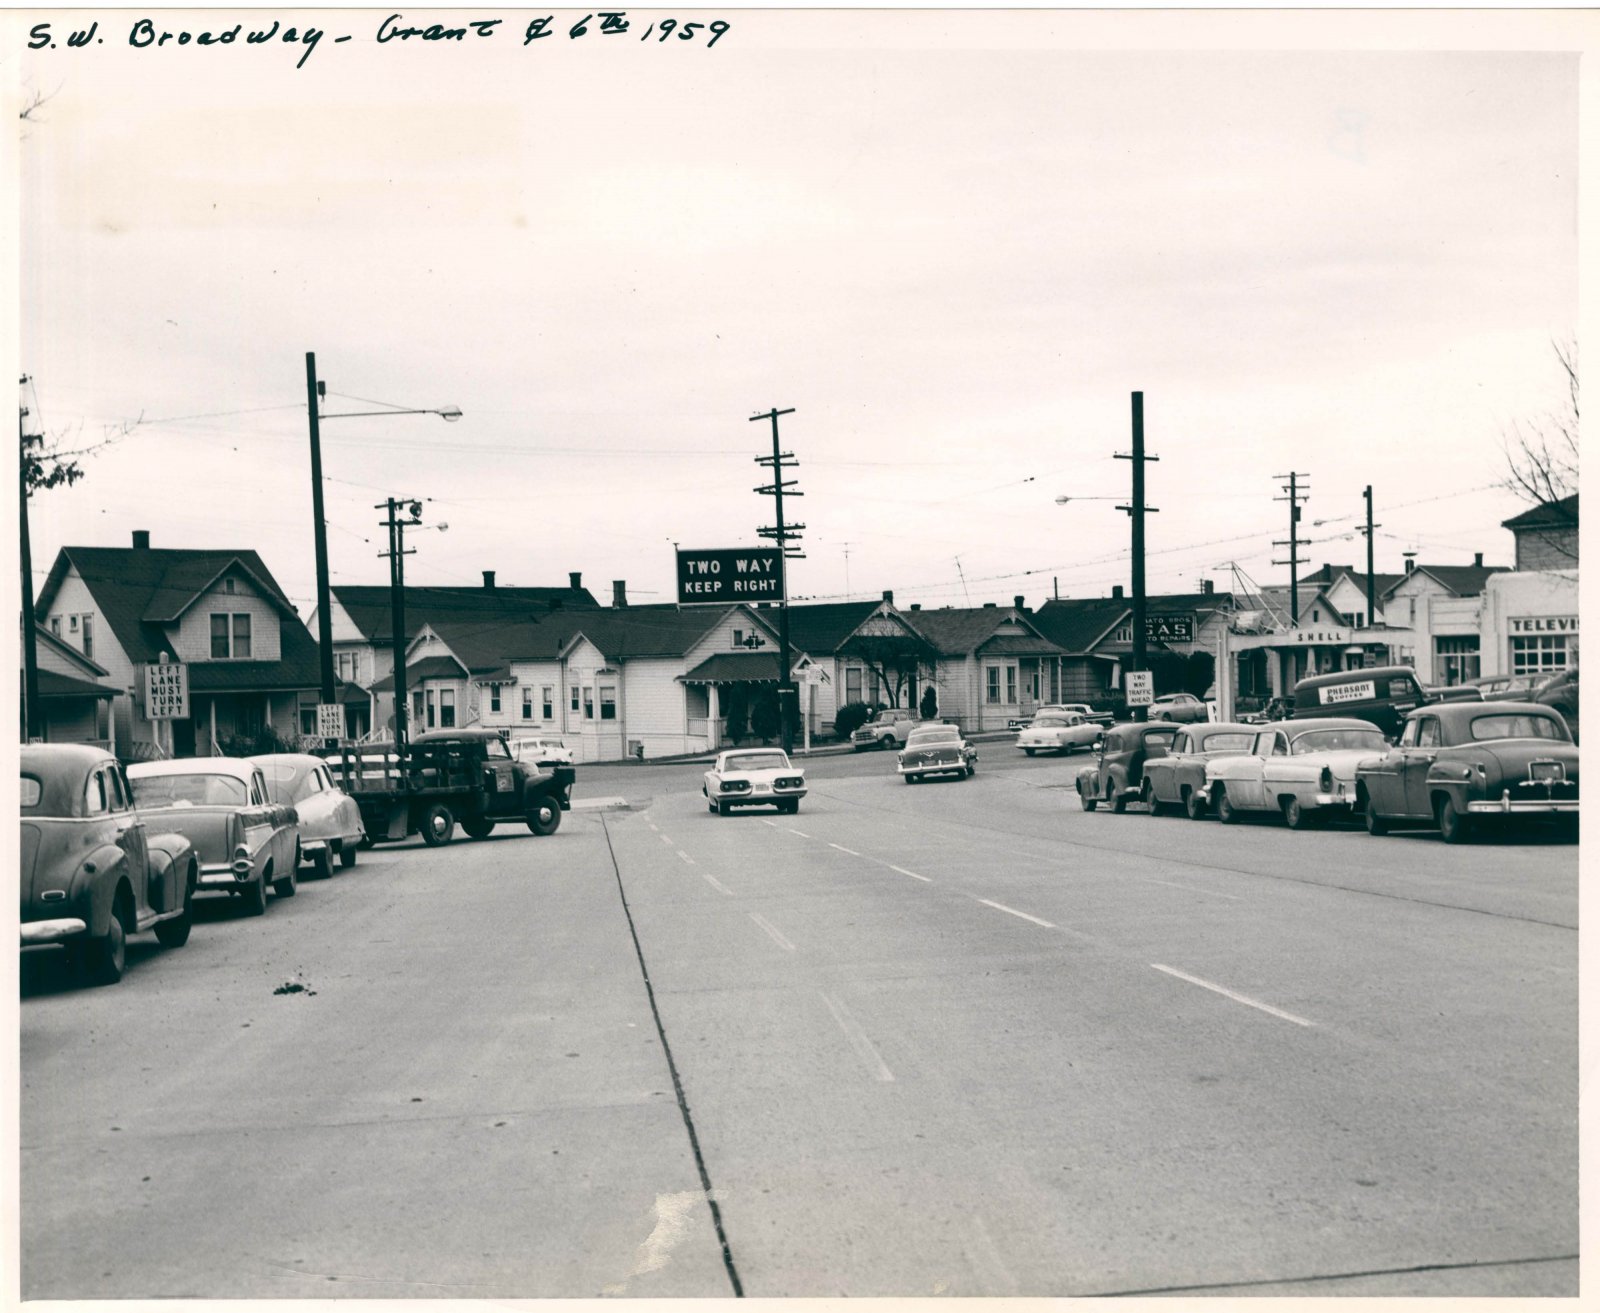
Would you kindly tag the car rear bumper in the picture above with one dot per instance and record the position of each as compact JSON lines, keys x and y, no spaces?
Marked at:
{"x":1524,"y":807}
{"x":224,"y":877}
{"x":759,"y":799}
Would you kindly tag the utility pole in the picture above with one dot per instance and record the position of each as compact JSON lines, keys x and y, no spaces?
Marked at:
{"x":397,"y":605}
{"x":1371,"y":588}
{"x":1297,"y":493}
{"x":320,"y":530}
{"x":1136,"y":513}
{"x":782,"y":534}
{"x":33,"y":718}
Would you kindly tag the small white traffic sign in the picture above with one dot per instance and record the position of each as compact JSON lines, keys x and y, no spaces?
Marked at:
{"x":166,"y":691}
{"x":330,"y":720}
{"x":1140,"y":688}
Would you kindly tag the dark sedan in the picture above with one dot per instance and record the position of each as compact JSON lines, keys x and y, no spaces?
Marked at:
{"x":1118,"y":773}
{"x":1462,"y":764}
{"x":1178,"y":779}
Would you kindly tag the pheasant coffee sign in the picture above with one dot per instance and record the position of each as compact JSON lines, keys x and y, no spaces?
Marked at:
{"x":729,"y":574}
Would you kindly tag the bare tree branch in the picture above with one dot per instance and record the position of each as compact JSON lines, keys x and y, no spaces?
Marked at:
{"x":1541,"y":453}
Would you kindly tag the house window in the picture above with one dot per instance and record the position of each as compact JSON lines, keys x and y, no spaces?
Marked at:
{"x":1124,"y":633}
{"x":72,"y":623}
{"x":227,"y":585}
{"x":992,"y":689}
{"x":588,"y":701}
{"x":574,"y":699}
{"x":88,"y":636}
{"x":494,"y":697}
{"x":548,"y":701}
{"x":608,"y":702}
{"x":527,"y":704}
{"x":308,"y":719}
{"x":230,"y":636}
{"x":1455,"y":658}
{"x":349,"y":666}
{"x":738,"y":638}
{"x":1361,"y":619}
{"x":852,"y":684}
{"x":1540,"y":654}
{"x":55,"y":625}
{"x":1316,"y":616}
{"x":416,"y":706}
{"x":1011,"y":685}
{"x":447,"y":708}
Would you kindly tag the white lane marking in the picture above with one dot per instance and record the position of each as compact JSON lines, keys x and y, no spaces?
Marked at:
{"x":1048,"y":925}
{"x":1237,"y":998}
{"x":987,"y":1249}
{"x":686,"y":857}
{"x":664,"y":839}
{"x":912,"y":874}
{"x":857,"y":1037}
{"x":793,"y":831}
{"x":673,"y":1215}
{"x":771,"y":930}
{"x":713,"y":882}
{"x":765,"y":821}
{"x":1195,"y":889}
{"x":652,"y":825}
{"x":843,"y":849}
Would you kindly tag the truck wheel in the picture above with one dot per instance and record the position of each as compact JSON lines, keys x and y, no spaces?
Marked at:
{"x":889,"y":743}
{"x":347,"y":854}
{"x":322,"y":863}
{"x":175,"y":933}
{"x":545,"y":817}
{"x":438,"y":825}
{"x":478,"y":827}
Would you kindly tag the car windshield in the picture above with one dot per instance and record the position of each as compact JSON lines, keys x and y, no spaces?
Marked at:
{"x":757,"y":761}
{"x":198,"y":790}
{"x":1519,"y":726}
{"x":496,"y":748}
{"x":1227,"y":742}
{"x":922,"y":738}
{"x":1338,"y":740}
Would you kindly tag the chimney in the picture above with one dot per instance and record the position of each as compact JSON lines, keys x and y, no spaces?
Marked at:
{"x":488,"y":580}
{"x":141,"y":540}
{"x":916,"y":606}
{"x":988,"y":606}
{"x":1016,"y":602}
{"x":619,"y":593}
{"x":1411,"y":561}
{"x":575,"y":579}
{"x":1208,"y":586}
{"x":1477,"y":559}
{"x":888,"y":596}
{"x":1116,"y":592}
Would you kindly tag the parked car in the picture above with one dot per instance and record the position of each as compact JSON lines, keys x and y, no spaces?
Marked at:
{"x":1561,"y":692}
{"x":1059,"y":731}
{"x":1464,"y":763}
{"x":753,"y":777}
{"x":330,"y":820}
{"x":1514,"y":688}
{"x":1383,"y":695}
{"x":1273,"y":709}
{"x":888,"y":729}
{"x":245,"y":841}
{"x":541,"y":750}
{"x":1179,"y":708}
{"x":1452,"y":693}
{"x":1178,"y":779}
{"x":936,"y":750}
{"x":1118,"y":774}
{"x":92,"y":869}
{"x":1305,"y":769}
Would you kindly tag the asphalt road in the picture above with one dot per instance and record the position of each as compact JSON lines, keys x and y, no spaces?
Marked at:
{"x":958,"y":1039}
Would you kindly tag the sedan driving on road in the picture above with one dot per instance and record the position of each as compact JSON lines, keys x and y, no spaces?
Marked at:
{"x":936,"y":750}
{"x":754,"y":777}
{"x":1059,"y":731}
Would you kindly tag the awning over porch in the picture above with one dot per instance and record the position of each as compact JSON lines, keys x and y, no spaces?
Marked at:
{"x":734,"y":668}
{"x":52,"y":685}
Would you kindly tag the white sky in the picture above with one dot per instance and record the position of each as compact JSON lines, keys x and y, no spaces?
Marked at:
{"x":954,"y":243}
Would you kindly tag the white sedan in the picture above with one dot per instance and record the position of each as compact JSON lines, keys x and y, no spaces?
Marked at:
{"x":330,"y":820}
{"x":754,"y":777}
{"x":1305,"y":769}
{"x":1059,"y":731}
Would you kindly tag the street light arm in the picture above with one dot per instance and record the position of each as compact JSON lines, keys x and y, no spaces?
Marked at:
{"x":447,"y":413}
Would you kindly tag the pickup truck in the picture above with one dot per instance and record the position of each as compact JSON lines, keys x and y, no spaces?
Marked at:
{"x":446,"y":776}
{"x":888,"y":729}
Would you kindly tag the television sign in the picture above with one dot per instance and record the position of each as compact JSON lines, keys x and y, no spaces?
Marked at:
{"x":725,"y":575}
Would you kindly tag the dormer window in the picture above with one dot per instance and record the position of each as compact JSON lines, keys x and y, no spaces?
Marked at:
{"x":230,"y":636}
{"x":227,"y":585}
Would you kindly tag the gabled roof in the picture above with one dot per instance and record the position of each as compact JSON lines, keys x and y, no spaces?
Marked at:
{"x":433,"y":667}
{"x":1461,"y":580}
{"x":656,"y":631}
{"x":962,"y":630}
{"x":1079,"y":624}
{"x":369,"y":605}
{"x":129,"y":584}
{"x":823,"y":627}
{"x":71,"y":653}
{"x":1561,"y":514}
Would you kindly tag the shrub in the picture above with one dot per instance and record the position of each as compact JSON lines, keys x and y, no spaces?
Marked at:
{"x":764,"y":718}
{"x":929,"y":707}
{"x":851,"y":717}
